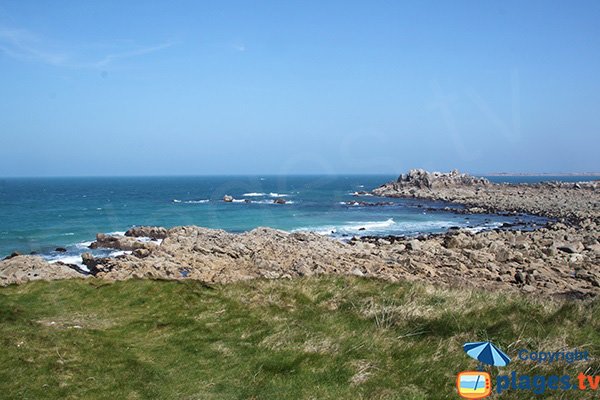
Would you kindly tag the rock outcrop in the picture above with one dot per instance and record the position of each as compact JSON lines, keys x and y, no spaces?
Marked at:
{"x":557,"y":260}
{"x":217,"y":256}
{"x":572,"y":202}
{"x":21,"y":269}
{"x":151,"y":232}
{"x":118,"y":242}
{"x":421,"y":179}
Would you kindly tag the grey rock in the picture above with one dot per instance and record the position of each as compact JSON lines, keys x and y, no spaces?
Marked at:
{"x":21,"y":269}
{"x":141,"y":253}
{"x":414,"y":245}
{"x":571,"y":248}
{"x":153,"y":232}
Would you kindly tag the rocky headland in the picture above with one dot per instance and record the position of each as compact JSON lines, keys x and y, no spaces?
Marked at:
{"x":573,"y":203}
{"x":561,"y":259}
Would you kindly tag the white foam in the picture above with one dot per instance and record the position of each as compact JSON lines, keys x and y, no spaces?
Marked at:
{"x":72,"y":260}
{"x":145,"y":239}
{"x":351,"y":227}
{"x":425,"y":225}
{"x":485,"y":227}
{"x":238,"y":201}
{"x":67,"y":260}
{"x":272,"y":194}
{"x":254,"y":194}
{"x":191,"y":201}
{"x":321,"y":230}
{"x":68,"y":234}
{"x":370,"y":225}
{"x":271,"y":202}
{"x":387,"y":226}
{"x":118,"y":253}
{"x":359,"y":194}
{"x":117,"y":233}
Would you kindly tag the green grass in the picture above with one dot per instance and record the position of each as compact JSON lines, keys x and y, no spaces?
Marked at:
{"x":316,"y":338}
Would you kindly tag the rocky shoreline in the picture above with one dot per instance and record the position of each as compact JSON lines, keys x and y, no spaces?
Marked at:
{"x":561,"y":259}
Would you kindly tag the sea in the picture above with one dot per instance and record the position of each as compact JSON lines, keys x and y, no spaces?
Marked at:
{"x":40,"y":215}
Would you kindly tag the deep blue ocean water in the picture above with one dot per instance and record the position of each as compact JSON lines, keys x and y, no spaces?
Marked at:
{"x":41,"y":214}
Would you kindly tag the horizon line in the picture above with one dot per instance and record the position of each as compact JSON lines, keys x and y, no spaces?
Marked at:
{"x":491,"y":174}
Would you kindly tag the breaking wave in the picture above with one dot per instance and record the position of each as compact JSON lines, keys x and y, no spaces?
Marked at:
{"x":191,"y":201}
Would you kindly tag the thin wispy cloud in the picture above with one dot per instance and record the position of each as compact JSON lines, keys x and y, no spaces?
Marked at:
{"x":24,"y":45}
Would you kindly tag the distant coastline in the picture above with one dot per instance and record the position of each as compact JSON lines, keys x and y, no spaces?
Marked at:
{"x":540,"y":174}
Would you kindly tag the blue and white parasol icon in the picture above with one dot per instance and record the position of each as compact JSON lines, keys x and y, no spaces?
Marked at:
{"x":486,"y":353}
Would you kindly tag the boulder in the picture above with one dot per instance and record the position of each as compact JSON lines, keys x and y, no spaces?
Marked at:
{"x":452,"y":242}
{"x":302,"y":268}
{"x":414,"y":245}
{"x":21,"y":269}
{"x":87,"y":259}
{"x":152,"y":232}
{"x":503,"y":255}
{"x":227,"y":198}
{"x":593,"y":247}
{"x":125,"y":243}
{"x":571,"y":248}
{"x":141,"y":253}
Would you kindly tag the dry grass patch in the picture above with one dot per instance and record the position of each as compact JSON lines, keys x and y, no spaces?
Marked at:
{"x":364,"y":369}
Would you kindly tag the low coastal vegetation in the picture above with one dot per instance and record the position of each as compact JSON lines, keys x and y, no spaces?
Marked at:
{"x":321,"y":337}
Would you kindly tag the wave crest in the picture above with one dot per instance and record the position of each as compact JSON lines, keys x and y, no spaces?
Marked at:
{"x":191,"y":201}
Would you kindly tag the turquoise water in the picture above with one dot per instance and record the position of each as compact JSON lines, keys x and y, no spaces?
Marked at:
{"x":38,"y":215}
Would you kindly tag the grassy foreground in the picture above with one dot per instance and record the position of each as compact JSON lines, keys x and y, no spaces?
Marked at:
{"x":315,"y":338}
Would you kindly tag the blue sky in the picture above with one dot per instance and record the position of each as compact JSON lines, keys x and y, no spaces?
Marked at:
{"x":148,"y":88}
